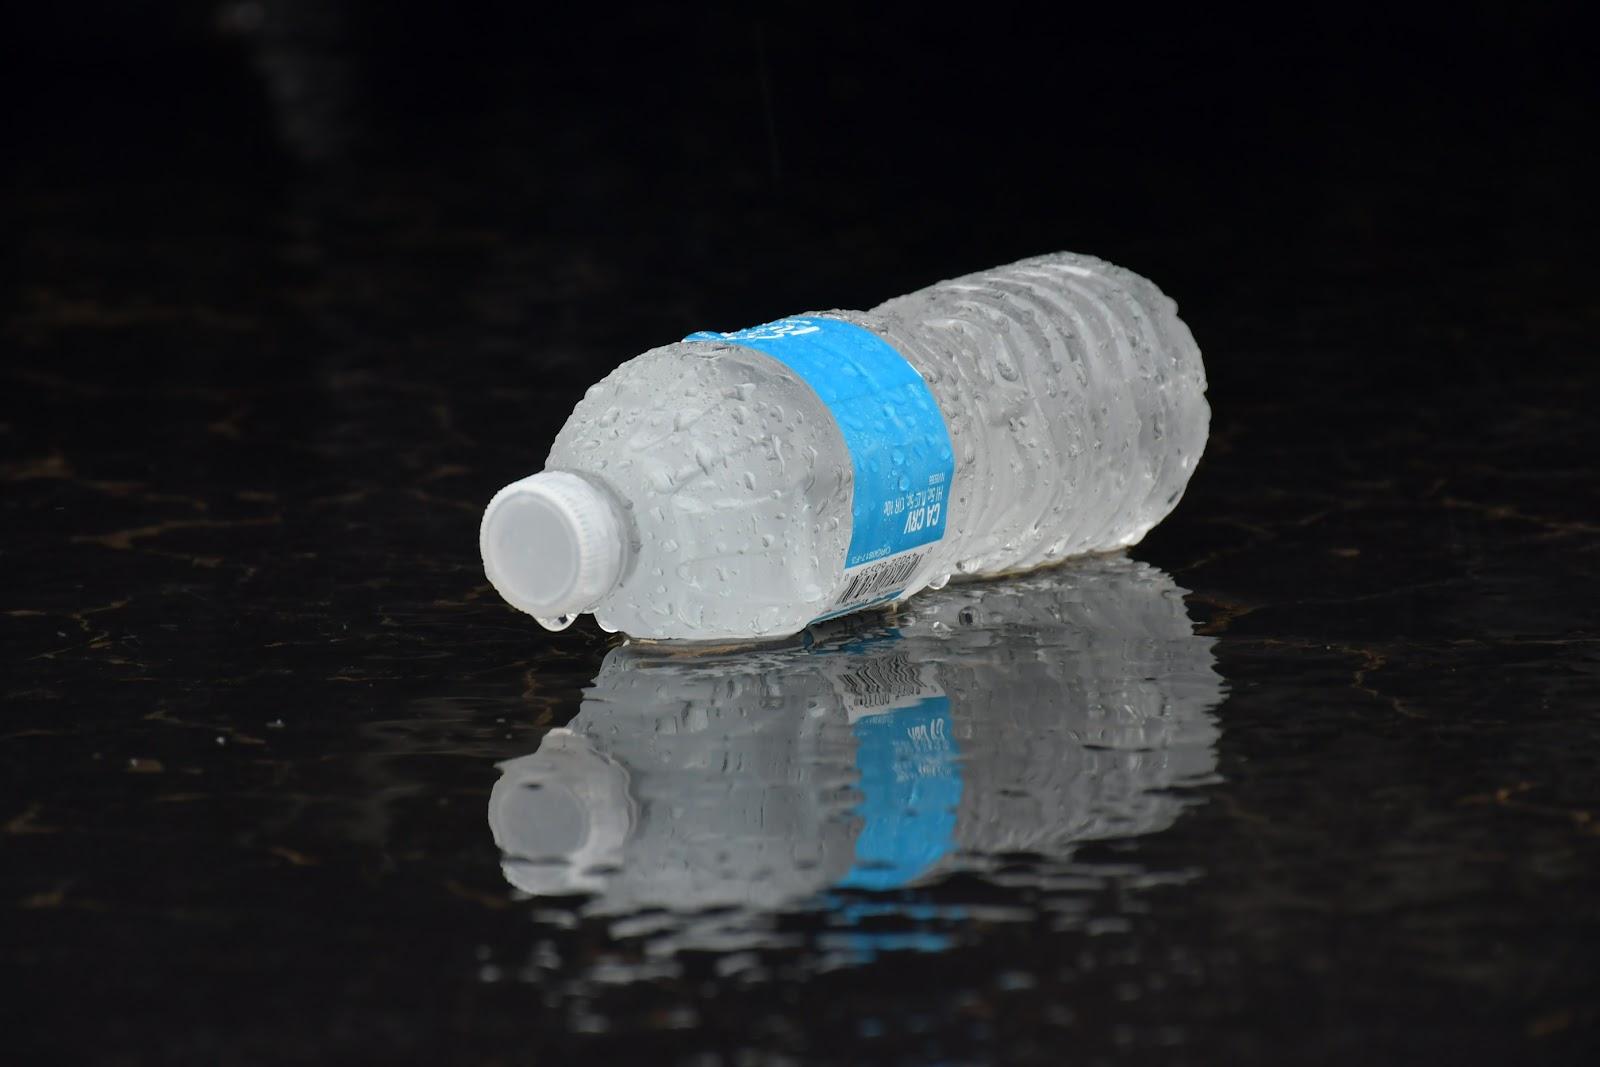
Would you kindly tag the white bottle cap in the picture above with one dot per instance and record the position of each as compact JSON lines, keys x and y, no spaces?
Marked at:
{"x":552,"y":544}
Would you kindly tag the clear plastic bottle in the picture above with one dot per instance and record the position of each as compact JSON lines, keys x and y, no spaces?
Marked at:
{"x":744,"y":485}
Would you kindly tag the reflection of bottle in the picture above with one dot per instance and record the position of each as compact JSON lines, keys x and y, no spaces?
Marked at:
{"x":737,"y":485}
{"x":1019,"y":716}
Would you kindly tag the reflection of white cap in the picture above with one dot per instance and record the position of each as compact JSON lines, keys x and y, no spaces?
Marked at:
{"x":561,"y":816}
{"x":552,"y":544}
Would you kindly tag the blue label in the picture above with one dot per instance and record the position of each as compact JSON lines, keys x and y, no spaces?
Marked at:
{"x":899,"y":445}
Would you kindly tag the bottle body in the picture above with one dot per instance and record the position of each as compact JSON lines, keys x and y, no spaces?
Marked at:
{"x":1021,"y":416}
{"x":1075,"y":397}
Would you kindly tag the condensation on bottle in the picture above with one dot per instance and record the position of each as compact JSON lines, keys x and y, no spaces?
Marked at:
{"x":745,"y":485}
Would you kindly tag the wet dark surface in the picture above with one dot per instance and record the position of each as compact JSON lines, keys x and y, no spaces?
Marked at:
{"x":291,"y":289}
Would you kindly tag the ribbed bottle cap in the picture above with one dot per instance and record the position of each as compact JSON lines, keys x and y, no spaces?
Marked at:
{"x":561,"y":816}
{"x":551,"y":544}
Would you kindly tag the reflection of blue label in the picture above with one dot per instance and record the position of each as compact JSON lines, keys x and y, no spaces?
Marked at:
{"x":910,"y":786}
{"x":899,"y":445}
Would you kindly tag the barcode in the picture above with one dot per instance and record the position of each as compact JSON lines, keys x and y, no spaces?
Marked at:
{"x":880,"y":682}
{"x":878,"y":577}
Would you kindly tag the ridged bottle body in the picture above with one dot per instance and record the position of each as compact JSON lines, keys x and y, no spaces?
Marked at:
{"x":1073,"y":397}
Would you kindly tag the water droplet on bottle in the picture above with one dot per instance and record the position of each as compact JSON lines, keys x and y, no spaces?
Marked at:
{"x":560,"y":622}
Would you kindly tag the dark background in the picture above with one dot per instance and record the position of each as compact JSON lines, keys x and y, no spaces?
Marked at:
{"x":290,"y":288}
{"x":681,"y":165}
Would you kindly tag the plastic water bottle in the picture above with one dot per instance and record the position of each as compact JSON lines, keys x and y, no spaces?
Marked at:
{"x":745,"y":485}
{"x":1020,"y":716}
